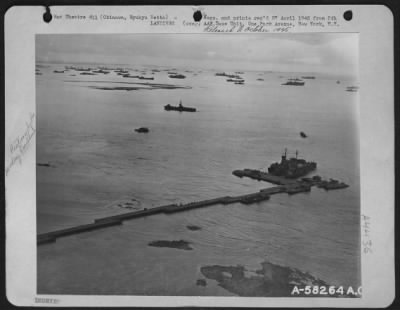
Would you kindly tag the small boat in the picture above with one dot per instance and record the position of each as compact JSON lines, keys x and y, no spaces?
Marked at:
{"x":142,"y":130}
{"x":332,"y":184}
{"x":352,"y":88}
{"x":303,"y":135}
{"x":231,"y":76}
{"x":58,"y":71}
{"x":235,"y":80}
{"x":131,"y":76}
{"x":179,"y":108}
{"x":101,"y":71}
{"x":177,"y":76}
{"x":145,"y":78}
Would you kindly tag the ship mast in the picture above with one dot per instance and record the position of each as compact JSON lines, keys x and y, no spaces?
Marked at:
{"x":284,"y":155}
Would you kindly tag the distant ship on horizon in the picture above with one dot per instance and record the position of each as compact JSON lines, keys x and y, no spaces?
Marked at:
{"x":179,"y":108}
{"x":294,"y":82}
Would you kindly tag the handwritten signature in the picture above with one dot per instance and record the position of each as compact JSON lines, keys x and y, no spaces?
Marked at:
{"x":235,"y":28}
{"x":366,"y":230}
{"x":19,"y":145}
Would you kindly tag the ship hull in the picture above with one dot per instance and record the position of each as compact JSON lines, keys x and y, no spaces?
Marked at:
{"x":179,"y":109}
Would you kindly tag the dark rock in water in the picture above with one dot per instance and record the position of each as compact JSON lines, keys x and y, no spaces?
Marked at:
{"x":303,"y":135}
{"x":201,"y":282}
{"x":175,"y":244}
{"x":269,"y":281}
{"x":193,"y":227}
{"x":142,"y":130}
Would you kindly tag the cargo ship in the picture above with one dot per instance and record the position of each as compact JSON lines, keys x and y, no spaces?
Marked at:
{"x":179,"y":108}
{"x":291,"y":168}
{"x":294,"y":82}
{"x":177,"y":76}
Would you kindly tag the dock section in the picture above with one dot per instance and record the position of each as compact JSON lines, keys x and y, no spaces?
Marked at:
{"x":289,"y":186}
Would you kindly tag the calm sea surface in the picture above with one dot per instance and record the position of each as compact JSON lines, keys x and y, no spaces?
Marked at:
{"x":100,"y":166}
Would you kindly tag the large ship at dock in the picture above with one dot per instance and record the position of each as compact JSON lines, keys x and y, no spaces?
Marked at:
{"x":286,"y":172}
{"x":291,"y":168}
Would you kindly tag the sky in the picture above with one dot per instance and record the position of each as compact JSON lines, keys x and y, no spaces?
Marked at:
{"x":335,"y":53}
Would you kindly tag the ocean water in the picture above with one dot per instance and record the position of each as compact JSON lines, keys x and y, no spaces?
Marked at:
{"x":99,"y":166}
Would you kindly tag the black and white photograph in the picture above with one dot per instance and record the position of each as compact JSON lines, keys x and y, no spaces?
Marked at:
{"x":198,"y":164}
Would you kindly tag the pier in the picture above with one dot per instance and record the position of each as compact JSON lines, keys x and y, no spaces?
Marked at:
{"x":289,"y":186}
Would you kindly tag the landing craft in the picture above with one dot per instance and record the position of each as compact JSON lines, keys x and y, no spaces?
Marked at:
{"x":303,"y":135}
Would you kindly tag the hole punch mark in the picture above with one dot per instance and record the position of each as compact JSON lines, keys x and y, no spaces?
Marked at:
{"x":348,"y":15}
{"x":197,"y":16}
{"x":47,"y":17}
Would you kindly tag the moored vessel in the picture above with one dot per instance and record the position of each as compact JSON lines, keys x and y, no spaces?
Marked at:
{"x":291,"y":168}
{"x":179,"y":108}
{"x":294,"y":82}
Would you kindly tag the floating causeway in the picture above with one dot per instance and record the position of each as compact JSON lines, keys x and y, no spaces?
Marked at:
{"x":289,"y":186}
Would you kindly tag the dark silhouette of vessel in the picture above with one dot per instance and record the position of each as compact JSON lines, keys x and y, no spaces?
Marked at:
{"x":232,"y":76}
{"x":145,"y":78}
{"x":352,"y":88}
{"x":179,"y":108}
{"x":291,"y":168}
{"x":294,"y":82}
{"x":101,"y":71}
{"x":332,"y":184}
{"x":303,"y":135}
{"x":177,"y":76}
{"x":142,"y":130}
{"x":130,"y":76}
